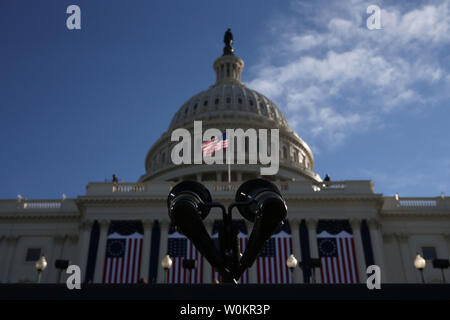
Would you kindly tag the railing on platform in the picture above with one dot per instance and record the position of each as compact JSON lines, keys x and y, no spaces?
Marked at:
{"x":417,"y":203}
{"x":328,"y":186}
{"x":233,"y":186}
{"x":41,"y":204}
{"x":128,"y":187}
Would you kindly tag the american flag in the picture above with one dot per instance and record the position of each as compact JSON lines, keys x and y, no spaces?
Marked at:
{"x":216,"y":144}
{"x":271,"y":262}
{"x":180,"y":248}
{"x":123,"y":258}
{"x":337,"y":253}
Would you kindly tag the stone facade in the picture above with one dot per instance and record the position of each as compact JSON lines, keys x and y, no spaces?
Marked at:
{"x":61,"y":229}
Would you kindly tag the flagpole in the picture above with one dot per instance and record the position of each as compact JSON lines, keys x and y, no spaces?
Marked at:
{"x":225,"y":138}
{"x":229,"y":170}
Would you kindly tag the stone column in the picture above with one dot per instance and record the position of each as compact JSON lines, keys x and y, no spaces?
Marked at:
{"x":4,"y":248}
{"x":11,"y":242}
{"x":377,"y":246}
{"x":101,"y":252}
{"x":69,"y":252}
{"x":311,"y":223}
{"x":411,"y":275}
{"x":83,"y":245}
{"x":296,"y":250}
{"x":447,"y":239}
{"x":360,"y":258}
{"x":164,"y":226}
{"x":3,"y":251}
{"x":58,"y":247}
{"x":145,"y":259}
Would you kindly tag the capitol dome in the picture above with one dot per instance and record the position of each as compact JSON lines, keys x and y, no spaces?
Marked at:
{"x":229,"y":104}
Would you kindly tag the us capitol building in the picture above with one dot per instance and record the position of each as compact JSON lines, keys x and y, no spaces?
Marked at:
{"x":119,"y":232}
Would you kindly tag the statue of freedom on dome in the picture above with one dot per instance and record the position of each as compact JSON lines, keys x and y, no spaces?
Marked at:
{"x":228,"y":39}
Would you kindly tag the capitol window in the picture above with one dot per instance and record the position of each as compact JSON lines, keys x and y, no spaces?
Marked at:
{"x":33,"y":254}
{"x":263,"y":108}
{"x":272,"y":112}
{"x":205,"y":103}
{"x":429,"y":253}
{"x":228,"y":100}
{"x":240,"y":101}
{"x":216,"y":101}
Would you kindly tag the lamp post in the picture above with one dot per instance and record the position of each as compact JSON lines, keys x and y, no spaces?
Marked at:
{"x":40,"y":265}
{"x":166,"y":263}
{"x":419,"y":264}
{"x":291,"y":263}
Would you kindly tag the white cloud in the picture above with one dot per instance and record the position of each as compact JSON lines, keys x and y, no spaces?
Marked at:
{"x":427,"y":24}
{"x":299,"y":43}
{"x":339,"y":77}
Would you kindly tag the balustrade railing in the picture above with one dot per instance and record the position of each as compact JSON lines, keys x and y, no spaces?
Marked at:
{"x":325,"y":186}
{"x":128,"y":187}
{"x":417,"y":203}
{"x":41,"y":204}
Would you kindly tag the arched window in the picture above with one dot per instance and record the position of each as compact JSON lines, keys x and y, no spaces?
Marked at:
{"x":263,"y":108}
{"x":272,"y":112}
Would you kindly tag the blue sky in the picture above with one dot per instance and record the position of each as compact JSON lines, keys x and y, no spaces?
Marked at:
{"x":77,"y":106}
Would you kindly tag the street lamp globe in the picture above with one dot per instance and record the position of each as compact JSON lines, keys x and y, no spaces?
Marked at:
{"x":419,"y":262}
{"x":291,"y":262}
{"x":166,"y":262}
{"x":41,"y":264}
